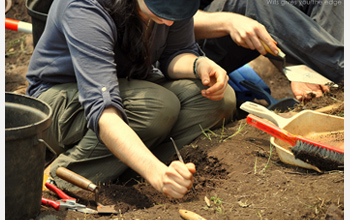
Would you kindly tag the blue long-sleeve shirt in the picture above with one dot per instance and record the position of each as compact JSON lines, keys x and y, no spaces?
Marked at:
{"x":78,"y":45}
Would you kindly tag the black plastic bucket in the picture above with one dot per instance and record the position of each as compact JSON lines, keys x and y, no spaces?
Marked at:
{"x":38,"y":10}
{"x":26,"y":120}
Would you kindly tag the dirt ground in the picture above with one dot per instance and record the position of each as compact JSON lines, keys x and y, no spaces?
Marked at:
{"x":238,"y":170}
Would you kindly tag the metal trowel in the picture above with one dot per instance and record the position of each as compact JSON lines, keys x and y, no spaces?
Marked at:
{"x":85,"y":184}
{"x":303,"y":73}
{"x":300,"y":73}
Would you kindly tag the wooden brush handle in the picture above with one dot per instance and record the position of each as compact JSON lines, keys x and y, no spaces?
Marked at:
{"x":75,"y":179}
{"x":325,"y":109}
{"x":267,"y":48}
{"x":190,"y":215}
{"x":329,"y":107}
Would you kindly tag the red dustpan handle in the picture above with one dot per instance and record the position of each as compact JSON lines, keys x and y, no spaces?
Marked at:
{"x":285,"y":135}
{"x":271,"y":129}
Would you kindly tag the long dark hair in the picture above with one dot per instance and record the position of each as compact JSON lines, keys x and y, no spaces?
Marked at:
{"x":131,"y":36}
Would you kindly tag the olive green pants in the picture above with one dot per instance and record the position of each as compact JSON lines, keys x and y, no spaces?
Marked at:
{"x":156,"y":111}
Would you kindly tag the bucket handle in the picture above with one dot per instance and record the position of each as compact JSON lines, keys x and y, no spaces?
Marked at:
{"x":51,"y":151}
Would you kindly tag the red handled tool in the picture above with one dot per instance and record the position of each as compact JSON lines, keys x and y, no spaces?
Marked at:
{"x":66,"y":202}
{"x":16,"y":25}
{"x":285,"y":135}
{"x":323,"y":156}
{"x":86,"y":184}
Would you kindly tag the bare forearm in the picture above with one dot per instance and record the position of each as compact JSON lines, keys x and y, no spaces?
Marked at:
{"x":210,"y":24}
{"x":210,"y":74}
{"x":182,"y":66}
{"x":124,"y":143}
{"x":173,"y":180}
{"x":244,"y":31}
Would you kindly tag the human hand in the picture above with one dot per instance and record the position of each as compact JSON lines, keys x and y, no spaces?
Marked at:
{"x":249,"y":33}
{"x":178,"y":179}
{"x":307,"y":91}
{"x":214,"y":76}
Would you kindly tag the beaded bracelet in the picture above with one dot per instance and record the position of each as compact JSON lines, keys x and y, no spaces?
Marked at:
{"x":195,"y":67}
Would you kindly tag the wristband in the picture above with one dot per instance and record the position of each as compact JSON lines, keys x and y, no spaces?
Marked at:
{"x":195,"y":67}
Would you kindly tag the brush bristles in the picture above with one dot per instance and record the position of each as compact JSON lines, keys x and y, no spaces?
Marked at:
{"x":322,"y":158}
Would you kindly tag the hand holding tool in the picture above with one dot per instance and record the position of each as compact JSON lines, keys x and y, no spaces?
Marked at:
{"x":280,"y":53}
{"x":180,"y":159}
{"x":300,"y":73}
{"x":66,"y":202}
{"x":177,"y":151}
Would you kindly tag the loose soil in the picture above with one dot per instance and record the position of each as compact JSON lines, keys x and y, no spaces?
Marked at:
{"x":237,"y":168}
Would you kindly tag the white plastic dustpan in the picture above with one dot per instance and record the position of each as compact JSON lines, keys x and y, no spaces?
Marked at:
{"x":321,"y":127}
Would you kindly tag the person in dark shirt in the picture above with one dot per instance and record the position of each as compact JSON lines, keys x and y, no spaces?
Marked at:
{"x":308,"y":32}
{"x":122,"y":77}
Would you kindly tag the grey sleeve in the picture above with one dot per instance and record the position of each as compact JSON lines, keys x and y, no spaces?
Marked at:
{"x":91,"y":34}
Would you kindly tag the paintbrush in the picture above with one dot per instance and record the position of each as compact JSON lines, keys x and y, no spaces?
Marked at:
{"x":323,"y":156}
{"x":181,"y":160}
{"x":279,"y":54}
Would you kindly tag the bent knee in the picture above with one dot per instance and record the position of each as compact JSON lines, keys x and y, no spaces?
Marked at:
{"x":225,"y":109}
{"x":229,"y":102}
{"x":159,"y":115}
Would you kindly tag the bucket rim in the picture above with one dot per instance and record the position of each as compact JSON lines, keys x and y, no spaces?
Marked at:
{"x":40,"y":15}
{"x":43,"y":124}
